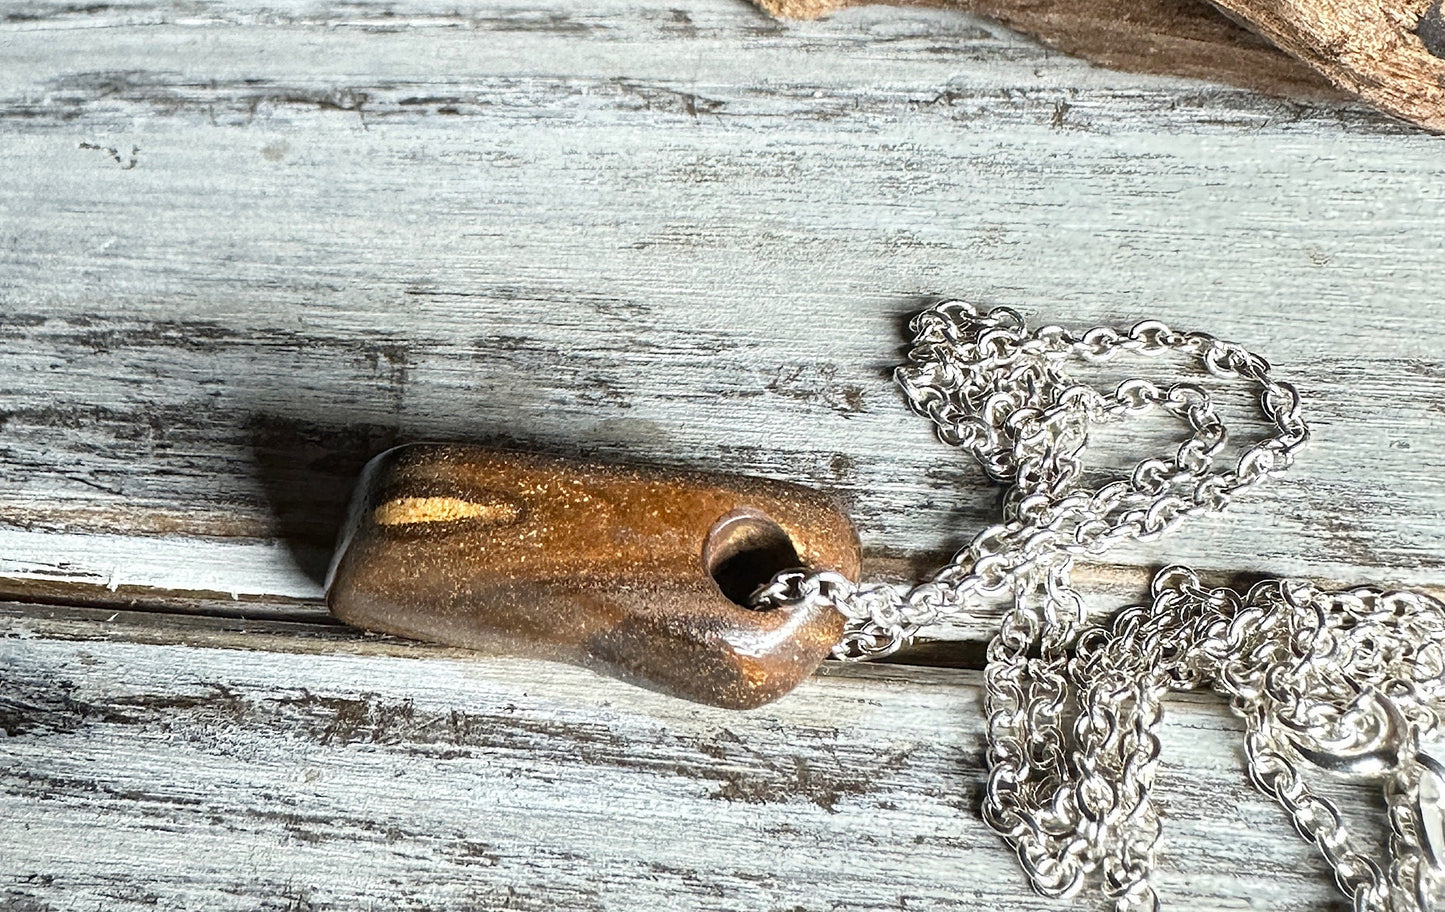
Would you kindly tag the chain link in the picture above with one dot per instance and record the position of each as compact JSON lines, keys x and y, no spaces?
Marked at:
{"x":1347,"y":681}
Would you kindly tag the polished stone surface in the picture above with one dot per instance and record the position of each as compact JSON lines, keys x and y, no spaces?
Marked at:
{"x":636,"y":572}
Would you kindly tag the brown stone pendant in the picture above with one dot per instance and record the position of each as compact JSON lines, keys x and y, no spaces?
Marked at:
{"x":640,"y":573}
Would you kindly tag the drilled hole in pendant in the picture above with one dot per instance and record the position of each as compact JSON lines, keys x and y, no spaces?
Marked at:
{"x":744,"y":550}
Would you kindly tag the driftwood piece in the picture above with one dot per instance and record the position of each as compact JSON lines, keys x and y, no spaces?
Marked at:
{"x":1160,"y":37}
{"x":1391,"y":55}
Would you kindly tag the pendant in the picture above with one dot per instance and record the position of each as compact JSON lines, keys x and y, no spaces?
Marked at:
{"x":640,"y":573}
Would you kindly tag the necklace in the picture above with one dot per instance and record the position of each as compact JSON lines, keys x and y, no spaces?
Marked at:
{"x":1345,"y":682}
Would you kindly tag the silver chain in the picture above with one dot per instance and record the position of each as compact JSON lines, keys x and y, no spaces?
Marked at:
{"x":1348,"y":682}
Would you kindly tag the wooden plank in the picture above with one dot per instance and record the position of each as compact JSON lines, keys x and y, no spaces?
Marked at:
{"x":201,"y":772}
{"x":686,"y":236}
{"x":248,"y":244}
{"x":1169,"y":37}
{"x":1392,"y":59}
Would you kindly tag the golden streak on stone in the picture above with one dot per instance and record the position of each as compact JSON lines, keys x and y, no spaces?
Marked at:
{"x":405,"y":510}
{"x":642,"y":573}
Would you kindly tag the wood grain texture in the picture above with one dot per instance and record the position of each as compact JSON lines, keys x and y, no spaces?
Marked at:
{"x":647,"y":234}
{"x":1385,"y":53}
{"x":193,"y":775}
{"x":1390,"y":54}
{"x":1189,"y":38}
{"x":248,"y":244}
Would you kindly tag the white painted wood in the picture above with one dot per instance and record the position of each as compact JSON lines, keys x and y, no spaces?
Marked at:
{"x":166,"y":564}
{"x":141,"y":775}
{"x":679,"y":235}
{"x":244,"y":244}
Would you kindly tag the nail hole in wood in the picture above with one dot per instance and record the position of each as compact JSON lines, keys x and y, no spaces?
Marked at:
{"x":744,"y":550}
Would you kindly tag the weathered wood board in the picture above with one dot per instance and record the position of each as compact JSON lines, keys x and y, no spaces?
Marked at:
{"x":244,"y":245}
{"x":316,"y":775}
{"x":533,"y":227}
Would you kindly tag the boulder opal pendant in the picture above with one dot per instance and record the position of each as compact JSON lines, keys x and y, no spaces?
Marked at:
{"x":640,"y":573}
